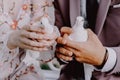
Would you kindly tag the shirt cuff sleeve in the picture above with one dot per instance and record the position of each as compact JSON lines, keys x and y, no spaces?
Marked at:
{"x":109,"y":65}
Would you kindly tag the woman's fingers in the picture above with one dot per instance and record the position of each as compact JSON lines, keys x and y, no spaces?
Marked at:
{"x":35,"y":43}
{"x":34,"y":28}
{"x":25,"y":46}
{"x":39,"y":36}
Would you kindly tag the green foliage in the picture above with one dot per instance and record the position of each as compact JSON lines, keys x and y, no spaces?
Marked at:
{"x":45,"y":67}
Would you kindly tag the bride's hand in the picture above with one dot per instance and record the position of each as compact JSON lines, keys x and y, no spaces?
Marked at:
{"x":31,"y":37}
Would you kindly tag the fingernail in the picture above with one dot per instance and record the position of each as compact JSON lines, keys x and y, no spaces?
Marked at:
{"x":64,"y":41}
{"x":70,"y":59}
{"x":70,"y":53}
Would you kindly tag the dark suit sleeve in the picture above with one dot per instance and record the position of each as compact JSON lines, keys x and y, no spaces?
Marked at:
{"x":113,"y":20}
{"x":58,"y":15}
{"x":110,"y":37}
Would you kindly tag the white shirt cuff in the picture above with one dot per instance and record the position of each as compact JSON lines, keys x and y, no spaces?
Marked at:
{"x":111,"y":60}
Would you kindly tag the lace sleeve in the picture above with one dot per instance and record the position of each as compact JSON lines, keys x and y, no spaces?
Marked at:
{"x":3,"y":45}
{"x":6,"y":55}
{"x":5,"y":31}
{"x":40,"y":8}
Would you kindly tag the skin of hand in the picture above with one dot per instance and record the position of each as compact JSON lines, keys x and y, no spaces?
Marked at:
{"x":61,"y":52}
{"x":92,"y":51}
{"x":31,"y":37}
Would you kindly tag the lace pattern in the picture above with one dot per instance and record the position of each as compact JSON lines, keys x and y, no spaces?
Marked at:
{"x":12,"y":66}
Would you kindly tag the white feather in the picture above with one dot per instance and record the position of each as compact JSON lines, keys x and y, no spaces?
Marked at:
{"x":47,"y":25}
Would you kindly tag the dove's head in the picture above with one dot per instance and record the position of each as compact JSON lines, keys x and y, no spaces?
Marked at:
{"x":79,"y":23}
{"x":79,"y":18}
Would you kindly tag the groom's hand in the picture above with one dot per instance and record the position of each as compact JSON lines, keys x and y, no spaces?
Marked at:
{"x":91,"y":51}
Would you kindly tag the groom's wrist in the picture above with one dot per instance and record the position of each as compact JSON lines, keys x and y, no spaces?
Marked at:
{"x":104,"y":60}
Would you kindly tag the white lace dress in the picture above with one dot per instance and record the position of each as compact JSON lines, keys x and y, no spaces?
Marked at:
{"x":13,"y":15}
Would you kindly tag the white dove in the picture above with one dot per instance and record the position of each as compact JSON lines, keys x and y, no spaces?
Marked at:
{"x":45,"y":56}
{"x":39,"y":17}
{"x":80,"y":35}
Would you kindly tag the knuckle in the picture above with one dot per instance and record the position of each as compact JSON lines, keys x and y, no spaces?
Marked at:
{"x":30,"y":42}
{"x":41,"y":45}
{"x":39,"y":49}
{"x":79,"y":59}
{"x":58,"y":55}
{"x":77,"y":54}
{"x":28,"y":34}
{"x":31,"y":27}
{"x":40,"y":36}
{"x":67,"y":58}
{"x":63,"y":57}
{"x":31,"y":35}
{"x":59,"y":39}
{"x":70,"y":53}
{"x":34,"y":48}
{"x":63,"y":50}
{"x":22,"y":32}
